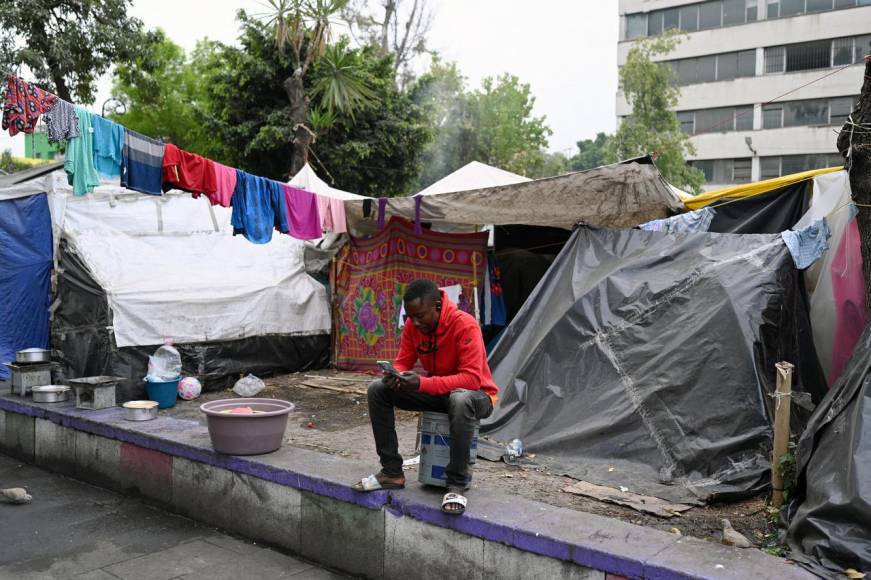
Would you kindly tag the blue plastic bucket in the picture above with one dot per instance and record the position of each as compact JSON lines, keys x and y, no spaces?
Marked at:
{"x":435,"y":448}
{"x":165,"y":392}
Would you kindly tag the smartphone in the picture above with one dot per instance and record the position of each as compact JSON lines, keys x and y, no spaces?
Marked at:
{"x":387,"y":367}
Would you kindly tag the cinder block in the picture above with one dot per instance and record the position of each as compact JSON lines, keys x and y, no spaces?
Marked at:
{"x":503,"y":562}
{"x":343,"y":535}
{"x":267,"y":512}
{"x":55,"y":447}
{"x":147,"y":472}
{"x":19,"y":431}
{"x":413,"y":549}
{"x":201,"y":492}
{"x":97,"y":460}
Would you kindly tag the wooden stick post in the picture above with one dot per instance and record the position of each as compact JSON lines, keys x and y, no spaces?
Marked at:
{"x":781,"y":428}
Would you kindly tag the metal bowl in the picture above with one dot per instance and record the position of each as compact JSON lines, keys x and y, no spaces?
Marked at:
{"x":140,"y":410}
{"x":50,"y":394}
{"x":33,"y":355}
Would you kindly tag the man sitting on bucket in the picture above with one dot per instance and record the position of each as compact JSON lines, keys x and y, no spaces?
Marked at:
{"x":449,"y":346}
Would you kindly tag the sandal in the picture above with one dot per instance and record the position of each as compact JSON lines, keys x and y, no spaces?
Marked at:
{"x":453,"y":498}
{"x":379,"y":482}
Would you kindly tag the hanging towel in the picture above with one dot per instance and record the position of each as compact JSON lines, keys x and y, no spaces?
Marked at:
{"x":692,"y":221}
{"x":141,"y":163}
{"x":808,"y":244}
{"x":332,"y":214}
{"x":108,"y":143}
{"x":258,"y":208}
{"x":382,"y":210}
{"x":497,"y":313}
{"x":61,"y":122}
{"x":23,"y":105}
{"x":187,"y":171}
{"x":302,"y":213}
{"x":225,"y":183}
{"x":79,"y":162}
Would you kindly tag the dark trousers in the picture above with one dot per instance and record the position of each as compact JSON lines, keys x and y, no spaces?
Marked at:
{"x":463,"y":407}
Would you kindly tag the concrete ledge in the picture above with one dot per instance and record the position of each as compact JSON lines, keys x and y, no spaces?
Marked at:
{"x":302,"y":501}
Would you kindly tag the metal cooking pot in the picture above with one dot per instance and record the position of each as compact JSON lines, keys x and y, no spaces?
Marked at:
{"x":50,"y":394}
{"x":140,"y":410}
{"x":33,"y":355}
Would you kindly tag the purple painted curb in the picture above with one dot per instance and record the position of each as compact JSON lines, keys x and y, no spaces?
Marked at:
{"x":519,"y":530}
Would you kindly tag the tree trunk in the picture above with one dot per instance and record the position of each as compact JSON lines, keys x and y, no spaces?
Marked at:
{"x":60,"y":84}
{"x":857,"y":142}
{"x":302,"y":135}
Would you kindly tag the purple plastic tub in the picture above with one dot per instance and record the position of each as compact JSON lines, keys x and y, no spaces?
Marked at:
{"x":247,"y":434}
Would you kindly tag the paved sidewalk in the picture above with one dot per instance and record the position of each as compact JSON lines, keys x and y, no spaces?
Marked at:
{"x":74,"y":530}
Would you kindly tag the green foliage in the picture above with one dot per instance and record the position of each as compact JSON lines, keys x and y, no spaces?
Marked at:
{"x":493,"y":124}
{"x":68,"y":45}
{"x":653,"y":126}
{"x":593,"y":153}
{"x":161,"y":90}
{"x":11,"y":164}
{"x":342,"y":86}
{"x":787,"y":465}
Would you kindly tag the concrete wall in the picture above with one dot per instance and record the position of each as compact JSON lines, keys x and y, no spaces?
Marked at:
{"x":301,"y":501}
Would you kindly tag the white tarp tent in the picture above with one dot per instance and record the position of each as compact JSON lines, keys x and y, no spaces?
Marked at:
{"x":473,"y":175}
{"x":171,"y":267}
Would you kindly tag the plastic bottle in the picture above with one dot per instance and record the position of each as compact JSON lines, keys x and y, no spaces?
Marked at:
{"x":165,"y":363}
{"x":515,"y":448}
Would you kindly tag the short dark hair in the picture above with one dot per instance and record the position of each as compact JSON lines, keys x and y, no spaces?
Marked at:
{"x":422,"y":289}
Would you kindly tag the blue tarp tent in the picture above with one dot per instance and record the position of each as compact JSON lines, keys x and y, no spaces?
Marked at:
{"x":25,"y":275}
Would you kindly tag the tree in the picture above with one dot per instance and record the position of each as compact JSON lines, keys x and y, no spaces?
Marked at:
{"x":493,"y":124}
{"x":398,"y":29}
{"x":245,"y":111}
{"x":854,"y":143}
{"x":651,"y":90}
{"x":69,"y":44}
{"x":303,"y":27}
{"x":161,"y":90}
{"x":593,"y":153}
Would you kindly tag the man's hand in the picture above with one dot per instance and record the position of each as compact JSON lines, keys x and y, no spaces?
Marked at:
{"x":408,"y":381}
{"x":391,"y":380}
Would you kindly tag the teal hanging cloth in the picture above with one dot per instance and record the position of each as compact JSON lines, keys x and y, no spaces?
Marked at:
{"x":79,"y":165}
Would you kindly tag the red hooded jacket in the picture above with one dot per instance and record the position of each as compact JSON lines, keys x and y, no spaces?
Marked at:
{"x":459,"y":360}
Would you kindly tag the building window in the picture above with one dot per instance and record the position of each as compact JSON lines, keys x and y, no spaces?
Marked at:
{"x":741,"y":170}
{"x":845,"y":3}
{"x":775,"y":59}
{"x":772,"y":116}
{"x":744,"y":118}
{"x":818,"y":5}
{"x":862,"y":47}
{"x":772,"y":167}
{"x":769,"y":167}
{"x":747,"y":63}
{"x":689,"y":18}
{"x":791,"y":7}
{"x":671,"y":19}
{"x":773,"y":8}
{"x":809,"y":112}
{"x":842,"y":51}
{"x":839,"y":109}
{"x":734,"y":12}
{"x":715,"y":120}
{"x":809,"y":55}
{"x":636,"y":26}
{"x":710,"y":15}
{"x":752,"y":11}
{"x":654,"y":24}
{"x":687,"y":120}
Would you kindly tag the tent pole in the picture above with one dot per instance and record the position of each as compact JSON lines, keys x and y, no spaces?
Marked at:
{"x":781,"y":429}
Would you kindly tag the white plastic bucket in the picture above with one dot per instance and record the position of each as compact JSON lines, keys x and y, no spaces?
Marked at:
{"x":435,"y":448}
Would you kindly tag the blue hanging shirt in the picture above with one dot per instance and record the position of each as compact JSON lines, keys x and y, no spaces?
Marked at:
{"x":258,"y":208}
{"x":108,"y":143}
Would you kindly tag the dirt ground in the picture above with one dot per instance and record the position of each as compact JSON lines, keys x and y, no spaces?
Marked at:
{"x":337,"y":423}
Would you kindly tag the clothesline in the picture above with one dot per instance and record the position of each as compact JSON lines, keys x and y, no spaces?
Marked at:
{"x":97,"y":147}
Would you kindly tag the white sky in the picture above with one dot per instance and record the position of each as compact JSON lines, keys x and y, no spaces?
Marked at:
{"x":565,"y":49}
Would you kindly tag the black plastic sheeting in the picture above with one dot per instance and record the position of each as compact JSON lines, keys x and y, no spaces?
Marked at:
{"x":769,"y":213}
{"x":83,"y":342}
{"x":645,"y":360}
{"x":830,"y":528}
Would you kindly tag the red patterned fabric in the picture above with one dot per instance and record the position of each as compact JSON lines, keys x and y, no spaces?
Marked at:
{"x":23,"y":105}
{"x":372,"y":275}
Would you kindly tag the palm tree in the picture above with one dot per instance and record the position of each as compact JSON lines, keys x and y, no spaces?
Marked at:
{"x":304,"y":27}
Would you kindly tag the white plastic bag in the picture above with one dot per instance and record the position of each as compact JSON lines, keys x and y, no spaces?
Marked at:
{"x":248,"y":386}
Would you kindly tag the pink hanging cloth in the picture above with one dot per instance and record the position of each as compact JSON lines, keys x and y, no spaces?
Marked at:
{"x":332,"y":214}
{"x":848,"y":286}
{"x":225,"y":182}
{"x":303,"y":213}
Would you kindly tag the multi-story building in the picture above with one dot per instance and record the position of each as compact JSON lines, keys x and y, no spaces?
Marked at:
{"x":750,"y":73}
{"x":37,"y":145}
